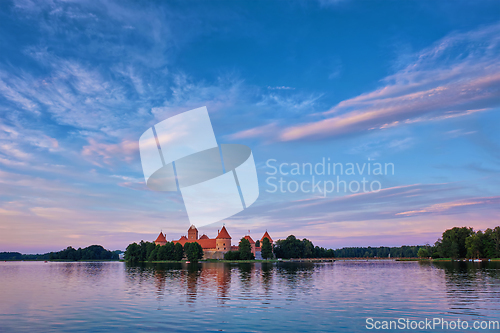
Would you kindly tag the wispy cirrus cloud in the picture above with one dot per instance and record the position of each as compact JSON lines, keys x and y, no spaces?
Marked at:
{"x":264,"y":131}
{"x":109,"y":153}
{"x":187,"y":94}
{"x":457,"y":76}
{"x":393,"y":215}
{"x":345,"y":209}
{"x":11,"y":91}
{"x":280,"y":88}
{"x":295,"y":102}
{"x":73,"y":94}
{"x":454,"y":207}
{"x":19,"y":146}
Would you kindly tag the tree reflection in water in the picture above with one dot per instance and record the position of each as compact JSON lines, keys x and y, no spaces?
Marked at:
{"x":471,"y":288}
{"x":254,"y":281}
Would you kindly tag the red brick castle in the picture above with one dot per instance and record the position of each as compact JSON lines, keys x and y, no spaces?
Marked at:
{"x":213,"y":248}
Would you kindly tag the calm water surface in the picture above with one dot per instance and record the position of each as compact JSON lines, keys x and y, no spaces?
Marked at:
{"x":333,"y":297}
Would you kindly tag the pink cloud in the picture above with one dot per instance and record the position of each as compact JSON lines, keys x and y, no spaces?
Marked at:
{"x":447,"y":206}
{"x":99,"y":153}
{"x":433,"y":87}
{"x":256,"y":132}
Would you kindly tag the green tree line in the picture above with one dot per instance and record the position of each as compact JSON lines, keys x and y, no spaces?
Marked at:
{"x":457,"y":242}
{"x":20,"y":256}
{"x":379,"y":252}
{"x":291,"y":247}
{"x":244,"y":251}
{"x":149,"y":251}
{"x":464,"y":242}
{"x":93,"y":252}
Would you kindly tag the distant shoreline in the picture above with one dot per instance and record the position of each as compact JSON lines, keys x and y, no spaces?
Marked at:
{"x":62,"y":260}
{"x":292,"y":260}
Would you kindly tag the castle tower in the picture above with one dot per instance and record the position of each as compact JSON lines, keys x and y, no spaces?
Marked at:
{"x":252,"y":243}
{"x":223,"y":241}
{"x":161,"y":239}
{"x":192,"y":233}
{"x":266,"y":235}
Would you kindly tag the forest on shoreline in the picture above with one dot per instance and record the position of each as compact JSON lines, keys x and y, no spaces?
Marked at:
{"x":458,"y":242}
{"x":464,"y":242}
{"x":92,"y":252}
{"x":455,"y":243}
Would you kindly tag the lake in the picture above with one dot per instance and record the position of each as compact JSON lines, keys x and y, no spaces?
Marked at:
{"x":298,"y":297}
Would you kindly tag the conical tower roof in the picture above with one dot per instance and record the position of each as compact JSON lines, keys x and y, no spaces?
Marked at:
{"x":250,"y":239}
{"x":223,"y":234}
{"x":161,"y":238}
{"x":266,"y":235}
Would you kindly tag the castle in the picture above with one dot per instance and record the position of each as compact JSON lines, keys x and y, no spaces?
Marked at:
{"x":214,"y":248}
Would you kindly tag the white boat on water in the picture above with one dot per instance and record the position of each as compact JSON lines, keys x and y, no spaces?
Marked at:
{"x":477,"y":260}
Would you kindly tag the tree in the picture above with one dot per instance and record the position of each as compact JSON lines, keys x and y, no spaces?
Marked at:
{"x":474,"y":244}
{"x":308,"y":249}
{"x":12,"y":256}
{"x":245,"y":250}
{"x":267,"y":249}
{"x":150,"y":247}
{"x":454,"y":250}
{"x":153,"y":256}
{"x":143,"y":256}
{"x":232,"y":255}
{"x":436,"y":249}
{"x":423,"y":253}
{"x":291,"y":247}
{"x":257,"y":243}
{"x":166,"y":252}
{"x":199,"y":252}
{"x":495,"y":237}
{"x":187,"y":250}
{"x":178,"y":252}
{"x":452,"y":244}
{"x":133,"y":252}
{"x":194,"y":251}
{"x":489,"y":244}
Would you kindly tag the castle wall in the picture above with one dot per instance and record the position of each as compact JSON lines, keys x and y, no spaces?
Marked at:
{"x":214,"y":248}
{"x":213,"y":254}
{"x":258,"y":255}
{"x":223,"y":244}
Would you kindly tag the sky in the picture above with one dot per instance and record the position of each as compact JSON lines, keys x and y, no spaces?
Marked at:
{"x":412,"y":84}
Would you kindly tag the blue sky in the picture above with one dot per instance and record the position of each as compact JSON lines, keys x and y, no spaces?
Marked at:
{"x":413,"y":83}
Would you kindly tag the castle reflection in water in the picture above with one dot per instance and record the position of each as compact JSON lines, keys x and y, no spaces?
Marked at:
{"x":252,"y":280}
